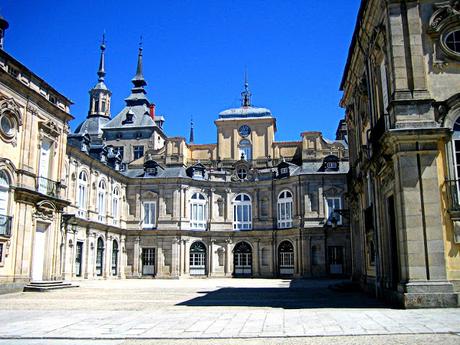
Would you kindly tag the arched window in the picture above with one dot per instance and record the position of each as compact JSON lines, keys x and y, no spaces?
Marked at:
{"x":114,"y":257}
{"x":245,"y":150}
{"x":242,"y":212}
{"x":82,"y":187}
{"x":286,"y":258}
{"x":242,"y":260}
{"x":198,"y":212}
{"x":115,"y":205}
{"x":285,"y":210}
{"x":101,"y":201}
{"x":5,"y":219}
{"x":198,"y":258}
{"x":99,"y":256}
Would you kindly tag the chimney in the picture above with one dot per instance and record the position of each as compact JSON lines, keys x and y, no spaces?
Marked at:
{"x":152,"y":111}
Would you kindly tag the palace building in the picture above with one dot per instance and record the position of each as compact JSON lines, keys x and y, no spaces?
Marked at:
{"x":119,"y":198}
{"x":401,"y":92}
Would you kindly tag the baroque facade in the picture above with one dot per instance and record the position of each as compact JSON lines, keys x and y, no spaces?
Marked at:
{"x":118,"y":198}
{"x":401,"y":92}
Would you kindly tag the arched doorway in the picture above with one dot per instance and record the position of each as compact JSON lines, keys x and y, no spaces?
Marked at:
{"x":114,"y":258}
{"x":242,"y":260}
{"x":99,"y":256}
{"x":197,"y":259}
{"x":286,"y":258}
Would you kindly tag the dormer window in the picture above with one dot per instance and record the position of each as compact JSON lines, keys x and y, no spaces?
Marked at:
{"x":330,"y":163}
{"x":196,"y":171}
{"x":284,"y":171}
{"x":151,"y":168}
{"x":129,"y":118}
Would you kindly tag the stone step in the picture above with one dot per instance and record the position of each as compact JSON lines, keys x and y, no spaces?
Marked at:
{"x":48,"y":285}
{"x":46,"y":282}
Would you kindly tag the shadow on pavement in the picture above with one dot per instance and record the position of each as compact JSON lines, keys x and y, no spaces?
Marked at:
{"x":300,"y":294}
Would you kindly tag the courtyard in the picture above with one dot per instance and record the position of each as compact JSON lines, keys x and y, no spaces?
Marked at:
{"x":212,"y":311}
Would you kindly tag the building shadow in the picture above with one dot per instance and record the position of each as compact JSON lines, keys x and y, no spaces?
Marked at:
{"x":300,"y":294}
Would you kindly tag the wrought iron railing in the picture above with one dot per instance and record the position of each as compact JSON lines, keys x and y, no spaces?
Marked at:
{"x":453,"y":192}
{"x":48,"y":187}
{"x":5,"y":225}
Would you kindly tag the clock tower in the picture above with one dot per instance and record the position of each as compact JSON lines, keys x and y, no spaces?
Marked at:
{"x":245,"y":133}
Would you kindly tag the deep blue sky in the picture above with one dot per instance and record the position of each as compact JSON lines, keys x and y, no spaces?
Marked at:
{"x":195,"y":54}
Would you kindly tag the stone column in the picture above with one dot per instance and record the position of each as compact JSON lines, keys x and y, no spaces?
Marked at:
{"x":228,"y":258}
{"x":107,"y":268}
{"x":122,"y":258}
{"x":136,"y":257}
{"x":419,"y":225}
{"x":175,"y":257}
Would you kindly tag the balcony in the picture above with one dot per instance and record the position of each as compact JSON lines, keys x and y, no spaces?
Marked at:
{"x":453,"y":192}
{"x":48,"y":187}
{"x":5,"y":225}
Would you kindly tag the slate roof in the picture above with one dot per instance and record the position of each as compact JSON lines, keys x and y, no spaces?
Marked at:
{"x":92,"y":125}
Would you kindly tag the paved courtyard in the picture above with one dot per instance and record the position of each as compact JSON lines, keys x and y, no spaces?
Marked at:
{"x":210,"y":311}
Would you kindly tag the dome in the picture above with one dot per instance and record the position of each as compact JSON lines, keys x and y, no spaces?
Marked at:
{"x":244,"y":112}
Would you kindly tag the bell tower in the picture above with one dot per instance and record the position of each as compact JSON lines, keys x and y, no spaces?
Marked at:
{"x":99,"y":95}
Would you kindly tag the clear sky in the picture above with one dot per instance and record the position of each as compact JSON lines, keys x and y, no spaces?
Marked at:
{"x":195,"y":54}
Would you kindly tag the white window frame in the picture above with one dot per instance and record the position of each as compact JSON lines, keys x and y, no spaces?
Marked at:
{"x":116,"y":206}
{"x":284,"y":209}
{"x":149,"y":215}
{"x":198,"y":212}
{"x":333,"y":203}
{"x":82,"y":192}
{"x":101,"y":207}
{"x":242,"y":212}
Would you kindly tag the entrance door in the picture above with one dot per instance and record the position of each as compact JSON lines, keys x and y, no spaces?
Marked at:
{"x":286,"y":258}
{"x":335,"y":256}
{"x":197,"y":259}
{"x":78,"y":259}
{"x":148,"y":261}
{"x":38,"y":259}
{"x":242,"y":260}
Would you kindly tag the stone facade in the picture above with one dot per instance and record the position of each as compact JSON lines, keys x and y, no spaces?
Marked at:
{"x":401,"y":95}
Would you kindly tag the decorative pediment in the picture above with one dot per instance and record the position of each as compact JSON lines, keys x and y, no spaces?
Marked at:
{"x":444,"y":28}
{"x":10,"y":105}
{"x":45,"y":210}
{"x":50,"y":128}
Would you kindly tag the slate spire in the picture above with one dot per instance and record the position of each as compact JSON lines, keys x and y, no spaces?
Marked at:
{"x":101,"y":71}
{"x":246,"y":94}
{"x":192,"y":137}
{"x":138,"y":80}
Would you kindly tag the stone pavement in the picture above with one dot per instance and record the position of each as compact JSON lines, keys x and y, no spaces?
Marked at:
{"x":134,"y":311}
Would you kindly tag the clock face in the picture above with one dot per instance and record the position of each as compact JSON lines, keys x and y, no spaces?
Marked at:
{"x":244,"y":130}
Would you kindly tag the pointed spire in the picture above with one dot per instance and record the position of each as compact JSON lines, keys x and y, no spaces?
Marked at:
{"x":101,"y":71}
{"x":192,"y":138}
{"x":138,"y":80}
{"x":246,"y":94}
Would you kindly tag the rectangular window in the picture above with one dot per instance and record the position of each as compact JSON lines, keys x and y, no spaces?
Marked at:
{"x":383,"y":80}
{"x":333,"y":204}
{"x":138,"y":152}
{"x":149,"y":216}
